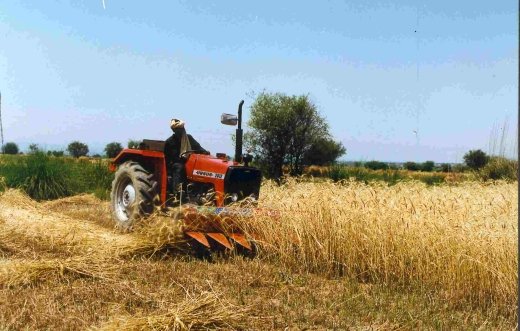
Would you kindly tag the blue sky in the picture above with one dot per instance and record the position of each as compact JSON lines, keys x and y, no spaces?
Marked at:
{"x":378,"y":71}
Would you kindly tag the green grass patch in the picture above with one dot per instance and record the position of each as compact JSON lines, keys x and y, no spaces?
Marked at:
{"x":338,"y":172}
{"x":390,"y":176}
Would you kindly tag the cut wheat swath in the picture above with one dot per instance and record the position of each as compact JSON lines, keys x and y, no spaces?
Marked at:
{"x":25,"y":223}
{"x":206,"y":311}
{"x":15,"y":272}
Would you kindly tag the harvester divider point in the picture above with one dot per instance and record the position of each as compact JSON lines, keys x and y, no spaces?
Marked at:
{"x":200,"y":237}
{"x":241,"y":240}
{"x":220,"y":238}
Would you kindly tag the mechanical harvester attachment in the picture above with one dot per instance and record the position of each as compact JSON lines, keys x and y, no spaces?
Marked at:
{"x":214,"y":185}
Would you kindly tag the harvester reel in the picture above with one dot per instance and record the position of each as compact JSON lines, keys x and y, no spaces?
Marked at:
{"x":133,"y":193}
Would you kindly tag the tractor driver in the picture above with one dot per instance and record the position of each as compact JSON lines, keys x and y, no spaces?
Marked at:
{"x":174,"y":147}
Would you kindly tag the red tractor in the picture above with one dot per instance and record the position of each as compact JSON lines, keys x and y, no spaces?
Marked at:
{"x":142,"y":182}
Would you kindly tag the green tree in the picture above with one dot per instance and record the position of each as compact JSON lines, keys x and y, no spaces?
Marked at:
{"x":476,"y":159}
{"x":376,"y":165}
{"x":323,"y":151}
{"x":412,"y":166}
{"x":428,"y":166}
{"x":10,"y":148}
{"x":134,"y":144}
{"x":77,"y":149}
{"x":57,"y":153}
{"x":112,"y":149}
{"x":283,"y":129}
{"x":33,"y":148}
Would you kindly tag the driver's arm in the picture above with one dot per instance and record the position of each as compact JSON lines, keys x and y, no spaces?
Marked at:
{"x":195,"y":145}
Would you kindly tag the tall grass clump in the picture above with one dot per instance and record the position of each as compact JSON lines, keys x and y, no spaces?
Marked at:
{"x":45,"y":177}
{"x":91,"y":176}
{"x":337,"y":173}
{"x":41,"y":177}
{"x":457,"y":241}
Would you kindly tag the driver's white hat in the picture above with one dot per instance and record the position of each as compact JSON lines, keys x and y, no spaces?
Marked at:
{"x":176,"y":123}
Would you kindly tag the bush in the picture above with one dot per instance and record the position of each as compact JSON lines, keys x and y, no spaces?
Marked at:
{"x":476,"y":159}
{"x":10,"y":148}
{"x":376,"y":165}
{"x":112,"y":149}
{"x":500,"y":168}
{"x":134,"y":144}
{"x":77,"y":149}
{"x":460,"y":168}
{"x":446,"y":167}
{"x":337,"y":173}
{"x":57,"y":153}
{"x":427,"y":166}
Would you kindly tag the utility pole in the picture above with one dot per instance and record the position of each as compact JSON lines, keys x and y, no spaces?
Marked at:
{"x":1,"y":128}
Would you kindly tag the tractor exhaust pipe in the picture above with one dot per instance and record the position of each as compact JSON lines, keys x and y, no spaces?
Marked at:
{"x":239,"y":135}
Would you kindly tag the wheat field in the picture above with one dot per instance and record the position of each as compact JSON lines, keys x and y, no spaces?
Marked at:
{"x":451,"y":248}
{"x":459,"y":240}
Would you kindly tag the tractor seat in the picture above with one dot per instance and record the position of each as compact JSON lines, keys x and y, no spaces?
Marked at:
{"x":152,"y":145}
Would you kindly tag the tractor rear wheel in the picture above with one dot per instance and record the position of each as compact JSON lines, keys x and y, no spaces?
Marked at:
{"x":133,"y":193}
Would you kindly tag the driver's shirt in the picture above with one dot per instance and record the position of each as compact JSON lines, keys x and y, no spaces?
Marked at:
{"x":172,"y":147}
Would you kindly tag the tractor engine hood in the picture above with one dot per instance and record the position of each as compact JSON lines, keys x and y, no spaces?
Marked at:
{"x":200,"y":167}
{"x":227,"y":176}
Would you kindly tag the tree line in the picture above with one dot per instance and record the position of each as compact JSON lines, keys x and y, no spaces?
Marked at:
{"x":75,"y":149}
{"x":286,"y":133}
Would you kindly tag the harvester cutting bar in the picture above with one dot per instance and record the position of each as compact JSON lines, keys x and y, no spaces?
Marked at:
{"x":219,"y":224}
{"x":216,"y":225}
{"x":220,"y":238}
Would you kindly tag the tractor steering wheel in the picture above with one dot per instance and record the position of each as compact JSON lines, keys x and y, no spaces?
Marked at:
{"x":186,"y":154}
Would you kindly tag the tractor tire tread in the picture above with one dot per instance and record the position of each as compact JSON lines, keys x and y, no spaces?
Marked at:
{"x":145,"y":186}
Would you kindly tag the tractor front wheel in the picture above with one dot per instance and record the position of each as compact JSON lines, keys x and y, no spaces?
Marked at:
{"x":133,"y":193}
